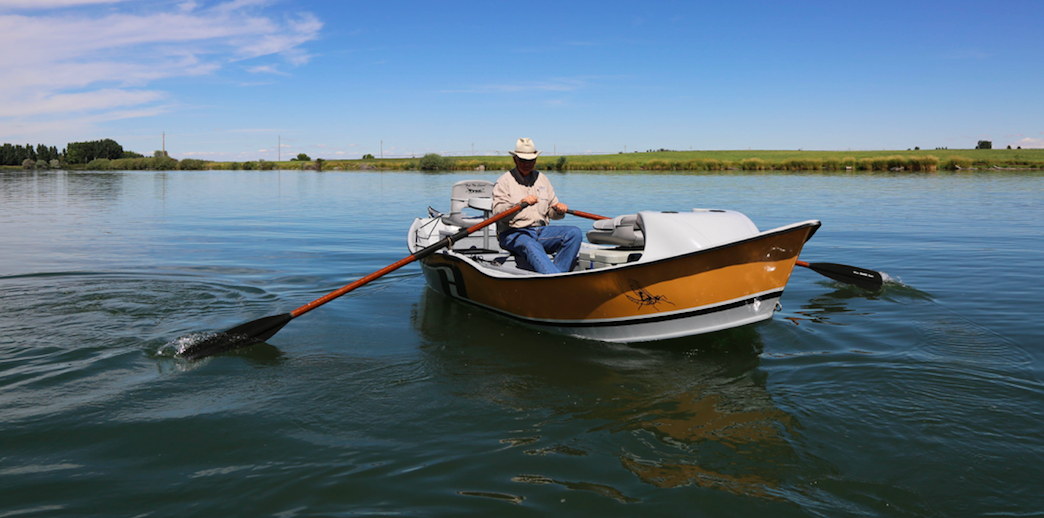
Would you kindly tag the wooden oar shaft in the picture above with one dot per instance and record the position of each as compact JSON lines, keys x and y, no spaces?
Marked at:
{"x":587,"y":215}
{"x":333,"y":295}
{"x":420,"y":254}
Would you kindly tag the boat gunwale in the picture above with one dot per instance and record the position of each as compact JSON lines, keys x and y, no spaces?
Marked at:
{"x":502,"y":275}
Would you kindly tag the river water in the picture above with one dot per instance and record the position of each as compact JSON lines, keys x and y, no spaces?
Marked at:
{"x":925,"y":399}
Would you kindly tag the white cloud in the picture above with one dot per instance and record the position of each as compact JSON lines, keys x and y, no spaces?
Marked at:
{"x":80,"y":102}
{"x":1029,"y":143}
{"x":73,"y":124}
{"x":83,"y":65}
{"x":6,"y":5}
{"x":284,"y":42}
{"x":266,"y":69}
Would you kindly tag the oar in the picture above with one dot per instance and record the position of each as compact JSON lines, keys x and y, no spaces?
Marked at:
{"x":587,"y":215}
{"x":263,"y":328}
{"x":861,"y":277}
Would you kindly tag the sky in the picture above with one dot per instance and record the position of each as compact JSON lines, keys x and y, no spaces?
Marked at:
{"x":236,"y":80}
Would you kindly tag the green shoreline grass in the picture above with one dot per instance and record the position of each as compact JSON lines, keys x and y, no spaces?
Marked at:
{"x":744,"y":160}
{"x":749,"y":160}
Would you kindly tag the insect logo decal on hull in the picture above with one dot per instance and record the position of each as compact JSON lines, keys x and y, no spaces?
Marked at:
{"x":644,"y":298}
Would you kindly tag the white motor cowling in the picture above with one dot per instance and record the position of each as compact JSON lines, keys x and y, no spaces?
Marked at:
{"x":668,"y":234}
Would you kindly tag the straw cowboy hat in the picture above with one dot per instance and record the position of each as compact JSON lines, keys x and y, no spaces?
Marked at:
{"x":525,"y":149}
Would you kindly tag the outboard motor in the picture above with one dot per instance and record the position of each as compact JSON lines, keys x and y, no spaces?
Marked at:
{"x":469,"y":193}
{"x":475,"y":194}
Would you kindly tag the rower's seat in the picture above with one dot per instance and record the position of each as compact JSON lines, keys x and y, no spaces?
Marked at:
{"x":476,"y":194}
{"x":624,"y":231}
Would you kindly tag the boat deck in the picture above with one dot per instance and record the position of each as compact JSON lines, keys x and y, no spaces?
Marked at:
{"x":500,"y":260}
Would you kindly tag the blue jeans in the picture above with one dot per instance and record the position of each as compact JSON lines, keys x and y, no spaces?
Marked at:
{"x":531,"y":246}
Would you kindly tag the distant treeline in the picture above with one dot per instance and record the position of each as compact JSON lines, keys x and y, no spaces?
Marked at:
{"x":17,"y":155}
{"x":84,"y":152}
{"x":74,"y":153}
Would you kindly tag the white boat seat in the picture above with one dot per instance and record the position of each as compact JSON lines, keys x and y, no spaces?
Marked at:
{"x":476,"y":194}
{"x":483,"y":204}
{"x":625,"y":231}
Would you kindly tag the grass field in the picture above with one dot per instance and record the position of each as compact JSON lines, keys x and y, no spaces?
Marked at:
{"x":748,"y":160}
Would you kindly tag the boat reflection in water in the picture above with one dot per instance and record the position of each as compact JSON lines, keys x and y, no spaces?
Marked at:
{"x":686,"y":412}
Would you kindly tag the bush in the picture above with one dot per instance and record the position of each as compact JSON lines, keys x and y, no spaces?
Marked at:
{"x":249,"y":166}
{"x":434,"y":162}
{"x":657,"y":164}
{"x":880,"y":163}
{"x":560,"y":164}
{"x":235,"y":166}
{"x":925,"y":163}
{"x":367,"y":156}
{"x":28,"y":163}
{"x":263,"y":165}
{"x":705,"y":164}
{"x":192,"y":164}
{"x":302,"y":157}
{"x":99,"y":164}
{"x":163,"y":163}
{"x":753,"y":164}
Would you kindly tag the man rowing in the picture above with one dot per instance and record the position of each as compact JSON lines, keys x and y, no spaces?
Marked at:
{"x":527,"y":234}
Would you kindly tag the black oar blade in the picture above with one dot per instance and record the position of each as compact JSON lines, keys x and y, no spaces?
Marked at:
{"x":240,"y":336}
{"x":866,"y":279}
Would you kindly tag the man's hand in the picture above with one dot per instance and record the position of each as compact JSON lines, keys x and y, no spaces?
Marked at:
{"x":560,"y":208}
{"x":531,"y":200}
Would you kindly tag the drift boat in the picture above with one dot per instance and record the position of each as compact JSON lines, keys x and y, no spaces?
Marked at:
{"x":641,"y":277}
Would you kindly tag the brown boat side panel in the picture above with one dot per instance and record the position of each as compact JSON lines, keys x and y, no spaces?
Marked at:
{"x":683,"y":283}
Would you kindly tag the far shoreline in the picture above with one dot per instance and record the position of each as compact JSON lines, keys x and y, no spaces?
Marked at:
{"x":973,"y":160}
